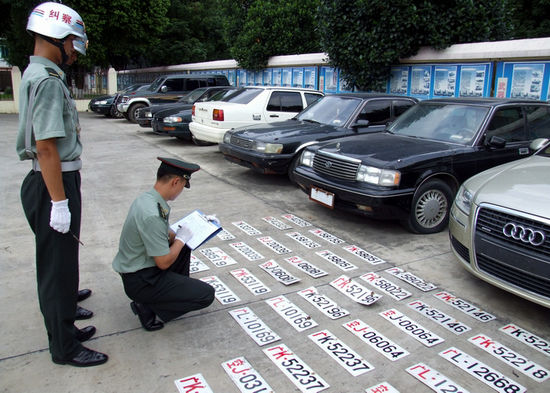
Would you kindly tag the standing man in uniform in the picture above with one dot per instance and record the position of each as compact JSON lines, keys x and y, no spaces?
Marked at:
{"x":153,"y":260}
{"x":49,"y":135}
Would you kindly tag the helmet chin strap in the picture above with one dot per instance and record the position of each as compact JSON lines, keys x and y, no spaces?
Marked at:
{"x":60,"y":45}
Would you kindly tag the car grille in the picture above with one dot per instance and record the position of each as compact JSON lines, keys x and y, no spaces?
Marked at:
{"x":491,"y":222}
{"x":336,"y":166}
{"x":460,"y":249}
{"x":529,"y":282}
{"x":241,"y":142}
{"x":489,"y":229}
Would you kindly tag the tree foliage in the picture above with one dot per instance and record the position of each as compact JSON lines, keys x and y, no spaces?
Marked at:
{"x":258,"y":29}
{"x":530,"y":18}
{"x":365,"y":37}
{"x":193,"y":34}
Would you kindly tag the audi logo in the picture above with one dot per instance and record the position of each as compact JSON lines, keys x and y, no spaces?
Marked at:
{"x":524,"y":234}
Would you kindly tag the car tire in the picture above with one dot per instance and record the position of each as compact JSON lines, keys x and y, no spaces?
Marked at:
{"x":132,"y":111}
{"x":114,"y":113}
{"x":430,"y":207}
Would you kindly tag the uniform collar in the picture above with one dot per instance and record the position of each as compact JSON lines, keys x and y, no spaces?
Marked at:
{"x":48,"y":63}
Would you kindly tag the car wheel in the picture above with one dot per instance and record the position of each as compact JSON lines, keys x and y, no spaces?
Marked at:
{"x":430,"y":207}
{"x":114,"y":112}
{"x":132,"y":111}
{"x":198,"y":142}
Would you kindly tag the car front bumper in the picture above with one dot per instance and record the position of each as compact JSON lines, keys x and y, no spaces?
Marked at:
{"x":100,"y":109}
{"x":462,"y":239}
{"x":376,"y":203}
{"x":263,"y":163}
{"x":178,"y":130}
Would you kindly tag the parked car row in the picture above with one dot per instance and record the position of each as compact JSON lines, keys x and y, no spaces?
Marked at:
{"x":453,"y":162}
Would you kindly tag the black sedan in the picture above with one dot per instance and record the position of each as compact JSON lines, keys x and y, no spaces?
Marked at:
{"x":274,"y":148}
{"x":174,"y":121}
{"x":145,"y":115}
{"x":106,"y":105}
{"x":412,"y":171}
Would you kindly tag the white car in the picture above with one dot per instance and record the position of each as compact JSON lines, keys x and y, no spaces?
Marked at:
{"x":500,"y":225}
{"x":248,"y":105}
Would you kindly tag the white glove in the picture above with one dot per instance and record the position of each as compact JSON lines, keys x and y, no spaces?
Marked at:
{"x":214,"y":219}
{"x":60,"y":216}
{"x":184,"y":234}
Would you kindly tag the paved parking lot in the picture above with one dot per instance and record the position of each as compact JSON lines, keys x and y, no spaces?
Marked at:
{"x":434,"y":328}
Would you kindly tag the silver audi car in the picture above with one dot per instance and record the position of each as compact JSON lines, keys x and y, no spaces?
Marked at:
{"x":499,"y":226}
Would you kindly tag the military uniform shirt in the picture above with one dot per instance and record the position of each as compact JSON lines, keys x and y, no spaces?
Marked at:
{"x":145,"y":234}
{"x":53,"y":116}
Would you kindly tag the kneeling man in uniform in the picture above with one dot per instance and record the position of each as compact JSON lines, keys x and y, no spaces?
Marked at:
{"x":153,"y":260}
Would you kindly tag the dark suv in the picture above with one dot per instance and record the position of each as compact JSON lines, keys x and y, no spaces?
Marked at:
{"x":412,"y":171}
{"x":167,"y":88}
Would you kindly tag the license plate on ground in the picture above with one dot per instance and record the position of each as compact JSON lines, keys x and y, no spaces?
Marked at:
{"x":323,"y":197}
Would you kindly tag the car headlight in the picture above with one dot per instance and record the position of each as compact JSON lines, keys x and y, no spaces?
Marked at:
{"x":102,"y":102}
{"x":172,"y":119}
{"x":227,"y":137}
{"x":463,"y":200}
{"x":148,"y":114}
{"x":380,"y":177}
{"x":307,"y":158}
{"x":268,"y":148}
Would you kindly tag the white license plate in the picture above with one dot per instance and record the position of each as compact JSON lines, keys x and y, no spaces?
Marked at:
{"x":193,"y":383}
{"x":527,"y":338}
{"x":196,"y":265}
{"x":244,"y":376}
{"x":354,"y":290}
{"x":481,"y":371}
{"x":278,"y":272}
{"x":326,"y":236}
{"x":254,"y":326}
{"x":376,"y":340}
{"x":306,"y":267}
{"x":412,"y":328}
{"x":323,"y":303}
{"x":250,"y":281}
{"x":223,"y":294}
{"x":411,"y":279}
{"x":274,"y":245}
{"x":340,"y":262}
{"x":439,"y":317}
{"x":465,"y":307}
{"x":217,"y":256}
{"x":303,"y":240}
{"x":339,"y":351}
{"x":386,"y":286}
{"x":514,"y":359}
{"x":323,"y":197}
{"x":291,"y":313}
{"x":432,"y":378}
{"x":384,"y":387}
{"x":246,"y":251}
{"x":301,"y":375}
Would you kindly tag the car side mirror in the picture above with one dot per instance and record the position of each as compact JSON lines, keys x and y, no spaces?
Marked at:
{"x":538,"y":143}
{"x":164,"y":89}
{"x":496,"y":142}
{"x":360,"y":123}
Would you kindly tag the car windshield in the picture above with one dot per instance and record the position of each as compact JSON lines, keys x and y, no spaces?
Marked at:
{"x":243,"y":96}
{"x":330,"y":110}
{"x":545,"y":152}
{"x":220,"y":95}
{"x":192,"y":96}
{"x":456,"y":123}
{"x":156,"y":83}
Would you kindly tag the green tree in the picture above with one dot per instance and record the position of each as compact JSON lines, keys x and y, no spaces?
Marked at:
{"x":120,"y":32}
{"x":365,"y":37}
{"x":258,"y":29}
{"x":530,"y":18}
{"x":193,"y":34}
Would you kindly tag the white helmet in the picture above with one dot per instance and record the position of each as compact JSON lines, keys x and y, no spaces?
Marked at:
{"x":56,"y":20}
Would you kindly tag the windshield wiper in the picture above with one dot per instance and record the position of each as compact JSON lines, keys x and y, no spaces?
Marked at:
{"x":311,"y":121}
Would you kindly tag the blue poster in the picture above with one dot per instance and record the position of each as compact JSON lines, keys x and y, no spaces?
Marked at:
{"x":310,"y":78}
{"x":472,"y":81}
{"x":527,"y":81}
{"x":298,"y":77}
{"x":287,"y":77}
{"x":277,"y":77}
{"x":444,"y":81}
{"x":330,"y":80}
{"x":421,"y":81}
{"x":267,"y":77}
{"x":399,"y":80}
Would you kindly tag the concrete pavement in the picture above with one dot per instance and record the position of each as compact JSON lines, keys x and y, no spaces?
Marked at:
{"x":119,"y":163}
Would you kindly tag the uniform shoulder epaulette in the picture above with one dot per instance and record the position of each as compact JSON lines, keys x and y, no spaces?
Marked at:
{"x":53,"y":72}
{"x":162,"y":212}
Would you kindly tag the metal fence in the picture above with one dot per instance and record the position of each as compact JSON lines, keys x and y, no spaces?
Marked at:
{"x":84,"y":84}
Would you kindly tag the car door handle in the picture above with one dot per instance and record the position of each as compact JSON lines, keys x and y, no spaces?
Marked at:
{"x":273,"y":115}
